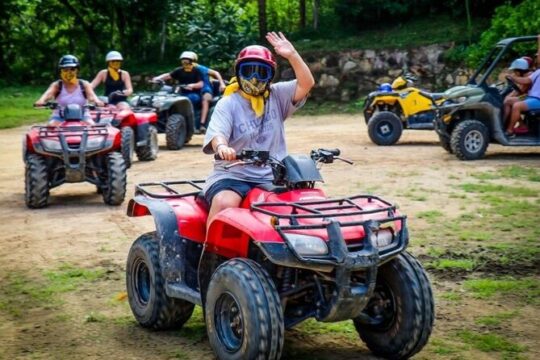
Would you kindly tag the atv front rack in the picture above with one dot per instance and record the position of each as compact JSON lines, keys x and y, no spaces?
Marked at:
{"x":170,"y":191}
{"x":327,"y":212}
{"x":55,"y":131}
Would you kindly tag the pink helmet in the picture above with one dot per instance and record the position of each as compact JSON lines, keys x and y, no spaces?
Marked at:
{"x":257,"y":53}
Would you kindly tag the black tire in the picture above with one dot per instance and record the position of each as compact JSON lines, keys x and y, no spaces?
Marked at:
{"x":445,"y":143}
{"x":36,"y":182}
{"x":244,"y":319}
{"x":128,"y":145}
{"x":403,"y":308}
{"x":145,"y":284}
{"x":469,"y":140}
{"x":385,"y":128}
{"x":176,"y":132}
{"x":114,"y":189}
{"x":149,"y":151}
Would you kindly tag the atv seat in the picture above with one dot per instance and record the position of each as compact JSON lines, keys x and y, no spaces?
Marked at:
{"x":432,"y":96}
{"x":532,"y":113}
{"x":272,"y":188}
{"x":200,"y":199}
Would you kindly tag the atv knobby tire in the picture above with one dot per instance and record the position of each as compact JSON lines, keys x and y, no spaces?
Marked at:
{"x":402,"y":307}
{"x":36,"y":183}
{"x":128,"y":145}
{"x":445,"y":143}
{"x":469,"y":140}
{"x":150,"y":150}
{"x":114,"y":189}
{"x":176,"y":132}
{"x":146,"y":288}
{"x":244,"y":318}
{"x":385,"y":128}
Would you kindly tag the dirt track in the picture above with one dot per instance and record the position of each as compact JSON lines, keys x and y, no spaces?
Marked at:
{"x":77,"y":229}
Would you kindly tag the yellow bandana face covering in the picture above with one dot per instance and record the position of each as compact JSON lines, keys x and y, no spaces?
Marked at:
{"x":257,"y":102}
{"x":253,"y":86}
{"x":115,"y":75}
{"x":69,"y":75}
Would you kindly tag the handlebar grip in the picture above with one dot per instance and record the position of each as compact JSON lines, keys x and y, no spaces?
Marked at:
{"x":217,"y":157}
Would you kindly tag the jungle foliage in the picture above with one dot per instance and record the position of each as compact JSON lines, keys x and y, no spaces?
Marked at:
{"x":151,"y":33}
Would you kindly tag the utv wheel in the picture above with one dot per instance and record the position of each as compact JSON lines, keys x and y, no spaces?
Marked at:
{"x":114,"y":189}
{"x":145,"y":284}
{"x":36,"y":182}
{"x":470,"y":140}
{"x":128,"y":145}
{"x":385,"y":128}
{"x":150,"y":150}
{"x":244,"y":319}
{"x":445,"y":143}
{"x":401,"y":310}
{"x":176,"y":132}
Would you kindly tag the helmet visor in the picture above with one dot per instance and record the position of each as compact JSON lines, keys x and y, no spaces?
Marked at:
{"x":258,"y":70}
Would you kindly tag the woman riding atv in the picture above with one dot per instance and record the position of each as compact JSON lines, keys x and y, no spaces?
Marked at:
{"x":117,"y":82}
{"x":68,"y":90}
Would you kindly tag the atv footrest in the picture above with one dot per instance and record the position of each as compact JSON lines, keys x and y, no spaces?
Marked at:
{"x":182,"y":291}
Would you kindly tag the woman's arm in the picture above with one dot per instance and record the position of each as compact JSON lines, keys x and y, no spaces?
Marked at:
{"x":48,"y":94}
{"x":91,"y":95}
{"x":217,"y":75}
{"x":100,"y":77}
{"x":305,"y":79}
{"x":127,"y":81}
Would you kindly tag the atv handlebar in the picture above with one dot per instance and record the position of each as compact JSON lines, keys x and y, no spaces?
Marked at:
{"x":54,"y":105}
{"x":262,"y":157}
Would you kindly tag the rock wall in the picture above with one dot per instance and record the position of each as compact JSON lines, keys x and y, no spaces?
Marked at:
{"x":349,"y":75}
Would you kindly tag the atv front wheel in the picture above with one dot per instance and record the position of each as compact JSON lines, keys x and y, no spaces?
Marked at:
{"x":114,"y":190}
{"x":176,"y":132}
{"x":145,"y":284}
{"x":385,"y":128}
{"x":150,"y":150}
{"x":128,"y":145}
{"x":398,"y":319}
{"x":244,"y":319}
{"x":470,"y":140}
{"x":445,"y":143}
{"x":36,"y":189}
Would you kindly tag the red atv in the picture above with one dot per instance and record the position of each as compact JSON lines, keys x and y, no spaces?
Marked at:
{"x":73,"y":152}
{"x":288,"y":253}
{"x":138,"y":129}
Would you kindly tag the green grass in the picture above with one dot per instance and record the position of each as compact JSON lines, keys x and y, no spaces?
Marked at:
{"x":194,"y":329}
{"x":314,"y":327}
{"x":527,"y":289}
{"x":431,"y":216}
{"x":490,"y":342}
{"x":16,"y":106}
{"x":313,"y":108}
{"x":497,"y":319}
{"x":452,"y":264}
{"x":451,"y":296}
{"x":501,"y":189}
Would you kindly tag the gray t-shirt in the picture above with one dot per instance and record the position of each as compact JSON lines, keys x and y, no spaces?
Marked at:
{"x":234,"y":119}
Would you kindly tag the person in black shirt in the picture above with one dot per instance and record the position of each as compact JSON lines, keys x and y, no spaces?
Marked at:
{"x":117,"y":82}
{"x":187,"y":76}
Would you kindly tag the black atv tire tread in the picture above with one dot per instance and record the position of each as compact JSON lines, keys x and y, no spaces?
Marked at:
{"x":446,"y":144}
{"x":114,"y":190}
{"x":167,"y":313}
{"x":269,"y":313}
{"x":36,"y":182}
{"x":457,"y":135}
{"x":397,"y":347}
{"x":128,"y":138}
{"x":144,"y":153}
{"x":176,"y":123}
{"x":390,"y":117}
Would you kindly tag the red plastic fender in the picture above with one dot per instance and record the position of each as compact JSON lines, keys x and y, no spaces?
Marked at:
{"x":145,"y":117}
{"x":231,"y":230}
{"x":126,"y":117}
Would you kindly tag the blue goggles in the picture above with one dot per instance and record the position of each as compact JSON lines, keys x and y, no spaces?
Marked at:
{"x":258,"y":70}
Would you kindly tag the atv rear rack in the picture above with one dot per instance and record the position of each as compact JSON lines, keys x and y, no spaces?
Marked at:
{"x":171,"y":193}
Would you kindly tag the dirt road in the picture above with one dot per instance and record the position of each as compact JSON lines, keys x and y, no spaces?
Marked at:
{"x":62,"y":267}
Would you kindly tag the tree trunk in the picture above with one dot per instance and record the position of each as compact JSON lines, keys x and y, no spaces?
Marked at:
{"x":262,"y":19}
{"x":316,"y":6}
{"x":163,"y":36}
{"x":302,"y":10}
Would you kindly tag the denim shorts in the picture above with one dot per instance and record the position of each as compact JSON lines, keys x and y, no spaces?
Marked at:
{"x":193,"y":97}
{"x":533,"y":103}
{"x":238,"y":186}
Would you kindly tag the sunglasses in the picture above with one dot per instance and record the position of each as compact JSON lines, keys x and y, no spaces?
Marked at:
{"x":115,"y":62}
{"x":68,"y":69}
{"x":260,"y":71}
{"x":186,"y":62}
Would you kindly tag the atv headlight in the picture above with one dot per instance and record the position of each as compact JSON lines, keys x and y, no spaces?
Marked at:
{"x":94,"y":143}
{"x":307,"y":245}
{"x":382,"y":238}
{"x":51,"y":145}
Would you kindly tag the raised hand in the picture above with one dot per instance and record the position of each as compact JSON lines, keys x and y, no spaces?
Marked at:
{"x":281,"y":45}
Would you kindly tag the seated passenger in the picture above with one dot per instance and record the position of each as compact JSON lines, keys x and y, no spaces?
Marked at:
{"x":519,"y":67}
{"x":68,"y":90}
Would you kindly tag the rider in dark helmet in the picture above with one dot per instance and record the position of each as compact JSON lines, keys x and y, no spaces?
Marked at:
{"x":251,"y":115}
{"x":68,"y":90}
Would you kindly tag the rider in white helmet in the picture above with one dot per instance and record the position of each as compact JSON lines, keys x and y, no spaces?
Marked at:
{"x":518,"y":67}
{"x":117,"y":82}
